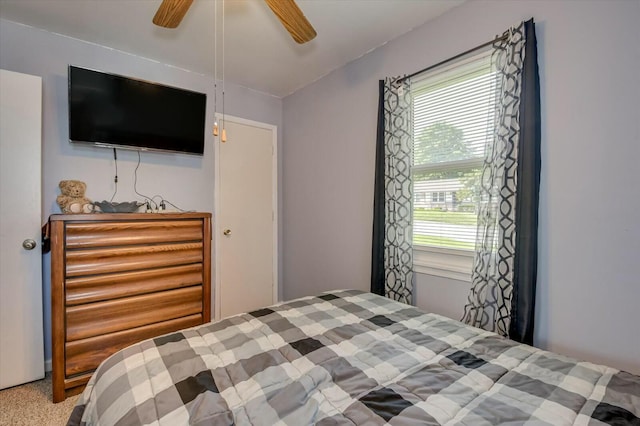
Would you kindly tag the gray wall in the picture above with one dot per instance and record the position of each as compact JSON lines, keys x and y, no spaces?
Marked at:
{"x":589,"y":232}
{"x":185,"y":180}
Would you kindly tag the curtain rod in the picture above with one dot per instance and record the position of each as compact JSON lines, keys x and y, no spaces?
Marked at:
{"x":453,"y":58}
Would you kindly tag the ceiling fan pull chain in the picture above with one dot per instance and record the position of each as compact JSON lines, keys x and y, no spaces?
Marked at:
{"x":224,"y":131}
{"x":215,"y":68}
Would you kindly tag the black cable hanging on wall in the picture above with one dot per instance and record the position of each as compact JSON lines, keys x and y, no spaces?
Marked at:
{"x":115,"y":178}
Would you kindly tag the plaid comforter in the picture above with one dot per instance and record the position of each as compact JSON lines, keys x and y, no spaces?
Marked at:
{"x":346,"y":358}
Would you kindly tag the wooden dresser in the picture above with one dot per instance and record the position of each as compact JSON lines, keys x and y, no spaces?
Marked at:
{"x":117,"y":279}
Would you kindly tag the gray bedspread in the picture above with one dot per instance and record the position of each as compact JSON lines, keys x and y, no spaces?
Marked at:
{"x":346,"y":358}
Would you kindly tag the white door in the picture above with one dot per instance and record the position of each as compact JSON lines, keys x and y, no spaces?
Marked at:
{"x":21,"y":341}
{"x":245,"y":222}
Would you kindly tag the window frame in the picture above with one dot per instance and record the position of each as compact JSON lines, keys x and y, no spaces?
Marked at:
{"x":452,"y":263}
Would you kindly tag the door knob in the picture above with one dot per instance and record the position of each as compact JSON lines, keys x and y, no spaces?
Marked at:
{"x":227,"y":232}
{"x":29,"y":244}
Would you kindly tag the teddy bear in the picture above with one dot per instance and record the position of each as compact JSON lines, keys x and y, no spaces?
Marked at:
{"x":72,"y":199}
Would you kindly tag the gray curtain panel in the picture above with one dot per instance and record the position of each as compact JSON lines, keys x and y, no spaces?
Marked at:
{"x":377,"y":245}
{"x":489,"y":303}
{"x":529,"y":161}
{"x":392,"y":266}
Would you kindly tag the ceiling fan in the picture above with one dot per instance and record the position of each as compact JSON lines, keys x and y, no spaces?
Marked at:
{"x":171,"y":12}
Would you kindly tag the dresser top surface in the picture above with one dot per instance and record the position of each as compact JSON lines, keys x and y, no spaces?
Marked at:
{"x":127,"y":216}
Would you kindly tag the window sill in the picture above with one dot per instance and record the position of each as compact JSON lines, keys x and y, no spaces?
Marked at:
{"x":441,"y":262}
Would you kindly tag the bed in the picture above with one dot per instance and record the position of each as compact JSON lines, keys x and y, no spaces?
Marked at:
{"x":350,"y":357}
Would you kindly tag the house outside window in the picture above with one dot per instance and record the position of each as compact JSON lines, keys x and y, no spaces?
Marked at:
{"x":453,"y":119}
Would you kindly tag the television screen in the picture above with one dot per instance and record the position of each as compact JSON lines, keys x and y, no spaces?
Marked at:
{"x":115,"y":111}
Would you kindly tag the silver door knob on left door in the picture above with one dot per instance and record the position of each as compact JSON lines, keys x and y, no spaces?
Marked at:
{"x":29,"y":244}
{"x":227,"y":232}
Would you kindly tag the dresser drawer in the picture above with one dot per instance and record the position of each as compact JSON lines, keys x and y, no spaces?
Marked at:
{"x":86,"y":354}
{"x":95,"y":319}
{"x":109,"y":234}
{"x":95,"y":288}
{"x":107,"y":260}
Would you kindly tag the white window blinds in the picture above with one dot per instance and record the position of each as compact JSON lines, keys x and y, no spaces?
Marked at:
{"x":453,"y":119}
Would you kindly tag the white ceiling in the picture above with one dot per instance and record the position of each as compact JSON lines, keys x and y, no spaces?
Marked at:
{"x":258,"y":52}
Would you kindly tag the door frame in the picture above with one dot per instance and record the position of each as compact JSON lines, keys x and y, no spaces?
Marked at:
{"x":217,"y":228}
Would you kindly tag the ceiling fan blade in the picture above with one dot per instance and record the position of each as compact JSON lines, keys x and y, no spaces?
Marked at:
{"x":293,"y":19}
{"x":171,"y":12}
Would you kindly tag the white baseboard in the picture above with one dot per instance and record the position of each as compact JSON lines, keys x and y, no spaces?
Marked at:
{"x":47,"y":366}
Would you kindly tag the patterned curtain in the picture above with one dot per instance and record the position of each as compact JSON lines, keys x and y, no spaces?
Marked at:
{"x":392,"y":252}
{"x":491,"y":300}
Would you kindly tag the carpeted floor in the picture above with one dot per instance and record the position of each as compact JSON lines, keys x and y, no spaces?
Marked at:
{"x":30,"y":404}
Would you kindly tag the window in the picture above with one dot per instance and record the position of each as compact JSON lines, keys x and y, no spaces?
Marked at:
{"x":437,"y":197}
{"x":453,"y":115}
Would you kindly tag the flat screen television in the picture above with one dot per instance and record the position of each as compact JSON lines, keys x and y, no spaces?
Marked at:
{"x":120,"y":112}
